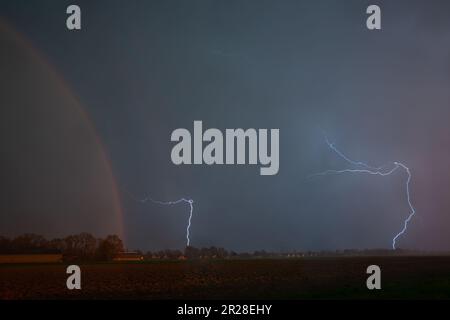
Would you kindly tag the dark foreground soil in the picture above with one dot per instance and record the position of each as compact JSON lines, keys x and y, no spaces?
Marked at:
{"x":309,"y":278}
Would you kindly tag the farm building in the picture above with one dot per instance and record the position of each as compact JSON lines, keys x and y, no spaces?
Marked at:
{"x":30,"y":258}
{"x":128,"y":256}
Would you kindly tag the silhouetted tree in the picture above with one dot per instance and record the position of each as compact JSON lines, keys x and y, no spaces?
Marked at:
{"x":5,"y":245}
{"x":109,"y":247}
{"x":222,"y":253}
{"x":192,"y":252}
{"x":83,"y":246}
{"x":29,"y":243}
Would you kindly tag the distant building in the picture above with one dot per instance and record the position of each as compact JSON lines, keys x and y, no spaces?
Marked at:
{"x":128,"y":256}
{"x":30,"y":258}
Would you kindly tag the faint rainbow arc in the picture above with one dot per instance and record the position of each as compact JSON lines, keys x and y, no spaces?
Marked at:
{"x":64,"y":86}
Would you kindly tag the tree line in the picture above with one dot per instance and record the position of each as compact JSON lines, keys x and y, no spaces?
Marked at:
{"x":190,"y":253}
{"x":83,"y":246}
{"x":86,"y":247}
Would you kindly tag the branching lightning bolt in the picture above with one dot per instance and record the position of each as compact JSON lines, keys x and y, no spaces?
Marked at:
{"x":170,"y":203}
{"x":380,"y":171}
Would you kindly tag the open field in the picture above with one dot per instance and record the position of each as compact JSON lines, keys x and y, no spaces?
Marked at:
{"x":308,"y":278}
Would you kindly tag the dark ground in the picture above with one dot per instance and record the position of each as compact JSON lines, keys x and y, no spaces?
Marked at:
{"x":308,"y":278}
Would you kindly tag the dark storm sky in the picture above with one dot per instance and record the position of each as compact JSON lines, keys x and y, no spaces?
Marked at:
{"x":145,"y":68}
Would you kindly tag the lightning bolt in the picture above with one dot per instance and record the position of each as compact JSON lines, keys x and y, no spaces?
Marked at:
{"x":171,"y":203}
{"x":383,"y":171}
{"x":190,"y":202}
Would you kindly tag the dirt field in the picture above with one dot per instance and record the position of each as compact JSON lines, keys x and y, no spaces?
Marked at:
{"x":312,"y":278}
